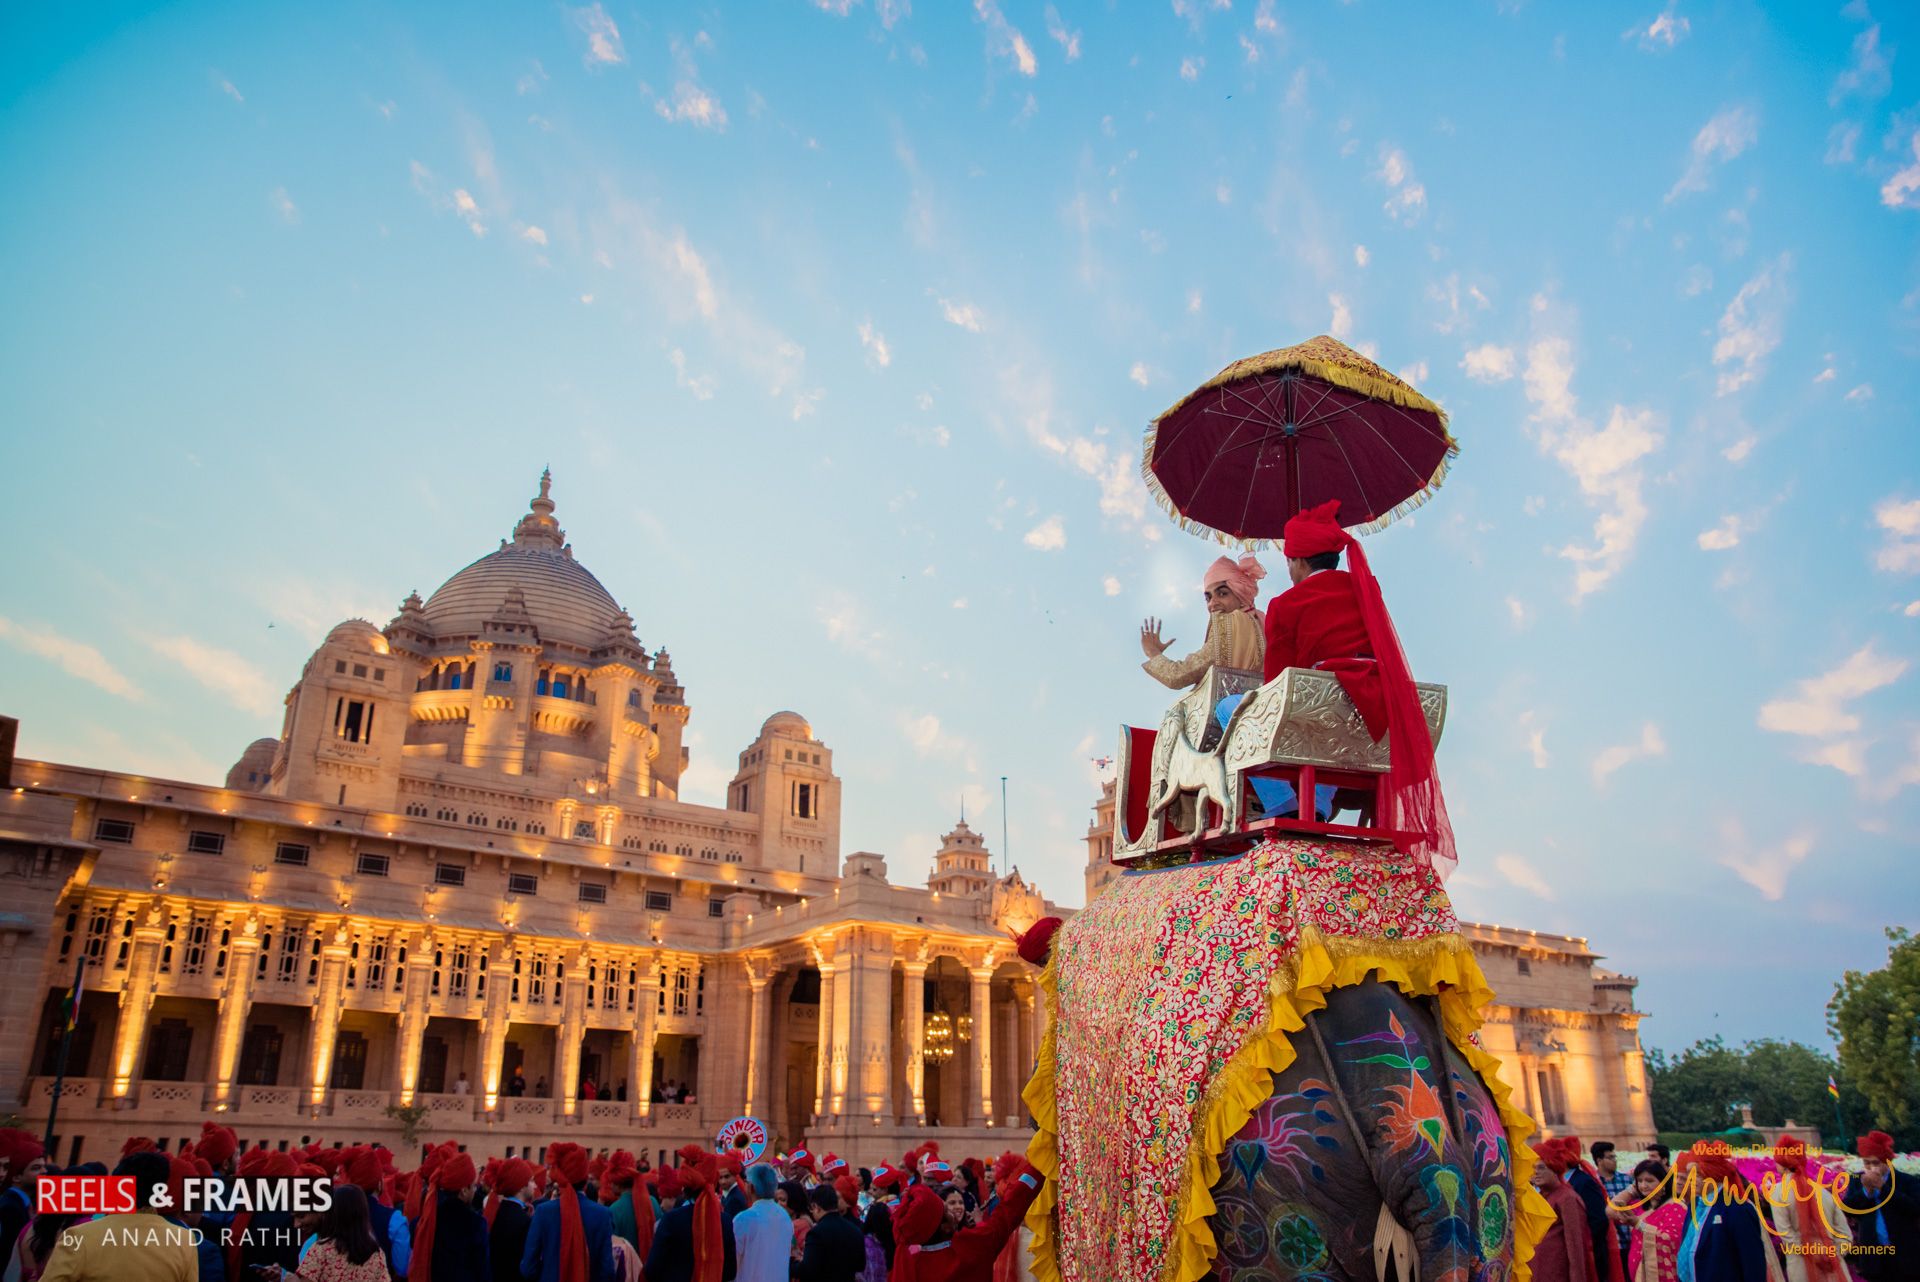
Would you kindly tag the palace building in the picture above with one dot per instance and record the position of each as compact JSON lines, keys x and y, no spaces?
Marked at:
{"x":460,"y":886}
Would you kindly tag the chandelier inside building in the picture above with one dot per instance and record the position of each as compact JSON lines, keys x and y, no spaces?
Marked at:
{"x":937,"y":1044}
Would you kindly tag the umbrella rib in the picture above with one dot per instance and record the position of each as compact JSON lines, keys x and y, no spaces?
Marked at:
{"x":1218,"y":455}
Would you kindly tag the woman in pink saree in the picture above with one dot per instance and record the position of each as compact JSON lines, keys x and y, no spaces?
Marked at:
{"x":1658,"y":1220}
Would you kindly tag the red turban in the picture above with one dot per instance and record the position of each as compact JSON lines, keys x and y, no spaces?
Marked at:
{"x":1005,"y":1167}
{"x":138,"y":1144}
{"x":217,"y":1144}
{"x":569,"y":1163}
{"x":19,"y":1149}
{"x":505,"y":1177}
{"x":1809,"y":1217}
{"x":1790,"y":1155}
{"x":1713,"y":1164}
{"x":1242,"y":578}
{"x":179,"y":1171}
{"x":262,"y":1164}
{"x":1034,"y":945}
{"x":800,"y":1160}
{"x":453,"y":1173}
{"x":700,"y":1170}
{"x":831,"y":1164}
{"x":620,"y":1171}
{"x":1876,"y":1144}
{"x":365,"y":1169}
{"x":937,"y":1170}
{"x":669,"y":1184}
{"x":734,"y":1160}
{"x":887,"y":1177}
{"x":849,"y":1190}
{"x":978,"y":1169}
{"x":1552,"y":1155}
{"x":1408,"y":798}
{"x":918,"y":1217}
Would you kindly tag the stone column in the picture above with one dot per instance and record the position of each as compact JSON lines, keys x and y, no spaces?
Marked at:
{"x":913,"y":995}
{"x":646,"y":1008}
{"x":494,"y":1021}
{"x":136,"y":999}
{"x":825,"y":1053}
{"x":573,"y":1028}
{"x":236,"y":1000}
{"x":414,"y":1011}
{"x":1009,"y":1077}
{"x":1028,"y":1024}
{"x":980,"y":1102}
{"x":845,"y":985}
{"x":870,"y":1032}
{"x":757,"y":1043}
{"x":327,"y":1003}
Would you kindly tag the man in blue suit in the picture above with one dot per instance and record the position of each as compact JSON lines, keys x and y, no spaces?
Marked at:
{"x":571,"y":1237}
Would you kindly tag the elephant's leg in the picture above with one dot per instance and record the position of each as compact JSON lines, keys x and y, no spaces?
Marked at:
{"x":1434,"y":1141}
{"x":1296,"y":1200}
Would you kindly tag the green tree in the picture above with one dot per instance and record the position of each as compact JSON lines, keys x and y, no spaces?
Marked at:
{"x":1875,"y":1019}
{"x":1701,"y":1088}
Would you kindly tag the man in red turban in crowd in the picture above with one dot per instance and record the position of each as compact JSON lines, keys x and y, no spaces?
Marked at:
{"x":1337,"y":621}
{"x":571,"y":1238}
{"x":694,"y":1241}
{"x":1732,"y":1242}
{"x":509,"y":1184}
{"x":1884,"y":1210}
{"x":927,"y":1247}
{"x":450,"y":1238}
{"x":1565,"y":1252}
{"x":22,"y":1161}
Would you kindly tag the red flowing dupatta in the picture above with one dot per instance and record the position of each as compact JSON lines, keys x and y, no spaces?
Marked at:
{"x":1409,"y":798}
{"x":701,"y":1172}
{"x":1823,"y":1262}
{"x":569,"y":1164}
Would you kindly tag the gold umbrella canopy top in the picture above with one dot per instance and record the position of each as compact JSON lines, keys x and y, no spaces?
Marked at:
{"x":1273,"y":434}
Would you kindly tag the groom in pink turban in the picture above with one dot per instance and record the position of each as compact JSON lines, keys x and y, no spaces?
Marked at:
{"x":1234,"y":637}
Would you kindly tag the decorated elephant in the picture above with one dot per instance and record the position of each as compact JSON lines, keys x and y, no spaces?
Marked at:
{"x":1265,"y":1069}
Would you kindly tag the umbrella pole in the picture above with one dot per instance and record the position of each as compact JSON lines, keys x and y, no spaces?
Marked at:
{"x":1292,"y":437}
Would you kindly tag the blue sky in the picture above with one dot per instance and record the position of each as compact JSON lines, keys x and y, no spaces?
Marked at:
{"x":839,"y":326}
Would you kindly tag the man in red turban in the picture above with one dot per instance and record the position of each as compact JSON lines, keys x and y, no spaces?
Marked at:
{"x":508,"y":1181}
{"x":571,"y":1238}
{"x":22,"y":1162}
{"x":1884,"y":1209}
{"x":217,"y":1145}
{"x":929,"y":1247}
{"x":1565,"y":1252}
{"x":450,"y":1241}
{"x":1337,"y":621}
{"x":693,"y":1242}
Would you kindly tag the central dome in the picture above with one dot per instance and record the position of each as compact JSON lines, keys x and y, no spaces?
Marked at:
{"x":563,"y":599}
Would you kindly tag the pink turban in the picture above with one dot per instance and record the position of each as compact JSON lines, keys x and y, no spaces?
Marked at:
{"x":1242,"y":578}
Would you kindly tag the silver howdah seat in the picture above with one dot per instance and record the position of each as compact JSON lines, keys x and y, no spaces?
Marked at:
{"x":1185,"y":785}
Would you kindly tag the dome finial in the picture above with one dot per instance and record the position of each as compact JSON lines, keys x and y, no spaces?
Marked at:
{"x":538,"y":528}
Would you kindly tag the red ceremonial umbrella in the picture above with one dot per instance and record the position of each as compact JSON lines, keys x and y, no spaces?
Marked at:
{"x":1289,"y":429}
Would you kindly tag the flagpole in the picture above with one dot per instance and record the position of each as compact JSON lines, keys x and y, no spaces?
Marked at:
{"x":1006,"y":856}
{"x":1840,"y":1138}
{"x":66,"y":1044}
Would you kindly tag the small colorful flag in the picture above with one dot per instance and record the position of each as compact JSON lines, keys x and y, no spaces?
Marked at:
{"x":1833,"y":1087}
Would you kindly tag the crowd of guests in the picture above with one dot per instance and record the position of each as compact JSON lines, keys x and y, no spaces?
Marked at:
{"x":572,"y":1217}
{"x":1700,"y":1218}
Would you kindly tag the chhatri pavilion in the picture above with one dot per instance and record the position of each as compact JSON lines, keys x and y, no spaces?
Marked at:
{"x":460,"y":885}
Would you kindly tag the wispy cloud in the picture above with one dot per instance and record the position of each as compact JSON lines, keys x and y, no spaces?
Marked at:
{"x":1407,"y":196}
{"x":1899,"y":522}
{"x":1665,"y":30}
{"x":222,"y":671}
{"x":1519,"y":872}
{"x":1750,"y":328}
{"x":1191,"y":66}
{"x":1360,"y":256}
{"x":1340,"y":324}
{"x":1819,"y":709}
{"x":1605,"y":461}
{"x":700,"y":386}
{"x":1649,"y":744}
{"x":1489,"y":363}
{"x":1722,"y":138}
{"x":1048,"y":536}
{"x":603,"y":37}
{"x":874,"y":343}
{"x":537,"y":235}
{"x":1140,"y":374}
{"x":75,"y":658}
{"x":1868,"y":73}
{"x":689,"y":104}
{"x":1536,"y":738}
{"x":848,"y":627}
{"x":1723,"y":536}
{"x":1765,"y":868}
{"x":965,"y":315}
{"x":226,"y":87}
{"x":283,"y":205}
{"x":1069,"y":41}
{"x":1902,"y":190}
{"x":1004,"y":39}
{"x":1110,"y":585}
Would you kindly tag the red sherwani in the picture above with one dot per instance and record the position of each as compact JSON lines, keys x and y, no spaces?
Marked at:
{"x":1565,"y":1253}
{"x":969,"y":1254}
{"x":1317,"y":622}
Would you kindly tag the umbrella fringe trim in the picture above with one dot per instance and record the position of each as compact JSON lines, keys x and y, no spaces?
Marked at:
{"x":1352,"y":380}
{"x":1188,"y":525}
